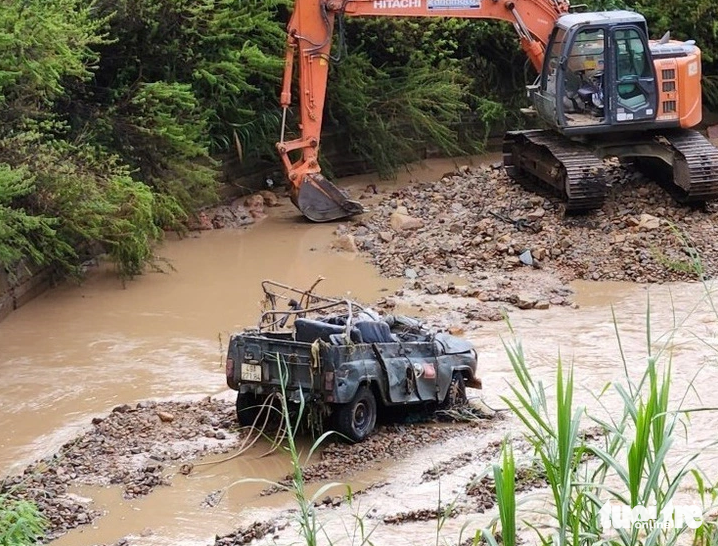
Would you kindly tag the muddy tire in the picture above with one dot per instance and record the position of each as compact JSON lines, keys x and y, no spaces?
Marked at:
{"x":356,"y":419}
{"x":247,"y":408}
{"x":456,"y":395}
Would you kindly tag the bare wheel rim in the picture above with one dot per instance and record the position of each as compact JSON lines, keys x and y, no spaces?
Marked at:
{"x":361,"y":415}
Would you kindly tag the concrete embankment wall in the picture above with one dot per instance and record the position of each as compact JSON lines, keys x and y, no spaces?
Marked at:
{"x":20,"y":286}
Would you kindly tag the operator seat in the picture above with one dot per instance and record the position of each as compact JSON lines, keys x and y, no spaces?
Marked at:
{"x":308,"y":331}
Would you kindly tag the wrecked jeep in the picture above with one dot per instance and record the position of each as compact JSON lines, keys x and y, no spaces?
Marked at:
{"x":345,"y":361}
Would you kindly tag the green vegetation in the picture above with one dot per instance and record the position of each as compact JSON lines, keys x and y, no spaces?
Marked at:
{"x":21,"y":523}
{"x":687,"y":260}
{"x":113,"y":114}
{"x":505,"y":481}
{"x":630,"y":462}
{"x":631,"y":466}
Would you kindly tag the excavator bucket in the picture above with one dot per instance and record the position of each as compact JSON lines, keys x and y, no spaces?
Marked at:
{"x":321,"y":201}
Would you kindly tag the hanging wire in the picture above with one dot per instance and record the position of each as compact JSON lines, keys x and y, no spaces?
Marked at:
{"x":341,"y":32}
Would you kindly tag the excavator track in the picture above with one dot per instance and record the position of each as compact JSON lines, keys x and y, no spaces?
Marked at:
{"x":569,"y":168}
{"x":693,"y":176}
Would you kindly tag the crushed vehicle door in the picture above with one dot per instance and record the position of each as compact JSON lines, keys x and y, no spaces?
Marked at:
{"x":411,"y":371}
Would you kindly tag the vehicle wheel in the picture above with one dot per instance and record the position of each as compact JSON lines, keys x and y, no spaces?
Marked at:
{"x":247,"y":408}
{"x":356,"y":419}
{"x":456,"y":395}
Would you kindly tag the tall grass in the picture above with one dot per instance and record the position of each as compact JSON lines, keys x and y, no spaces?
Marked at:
{"x":311,"y":529}
{"x":630,"y":467}
{"x":555,"y":440}
{"x":307,"y":517}
{"x":505,"y":481}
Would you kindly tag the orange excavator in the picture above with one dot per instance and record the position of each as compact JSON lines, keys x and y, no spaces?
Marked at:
{"x":604,"y":90}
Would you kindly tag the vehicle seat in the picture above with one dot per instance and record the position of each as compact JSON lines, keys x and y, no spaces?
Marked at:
{"x":374,"y":331}
{"x":336,"y":320}
{"x":308,"y":330}
{"x":339,"y":339}
{"x":630,"y":96}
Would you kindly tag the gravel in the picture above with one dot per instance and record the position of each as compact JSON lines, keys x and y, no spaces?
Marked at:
{"x":388,"y":443}
{"x":133,"y":446}
{"x":257,"y":530}
{"x":478,"y":220}
{"x":130,"y":447}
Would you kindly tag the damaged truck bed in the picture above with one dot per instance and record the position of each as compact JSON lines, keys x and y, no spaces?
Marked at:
{"x":347,"y":362}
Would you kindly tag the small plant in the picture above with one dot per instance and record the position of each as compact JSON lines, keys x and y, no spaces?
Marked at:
{"x":691,"y":264}
{"x":308,"y":523}
{"x":21,"y":523}
{"x":706,"y":534}
{"x":443,"y":513}
{"x":359,"y":534}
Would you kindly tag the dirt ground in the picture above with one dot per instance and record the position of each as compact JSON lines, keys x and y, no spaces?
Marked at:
{"x":144,"y":447}
{"x":131,"y":447}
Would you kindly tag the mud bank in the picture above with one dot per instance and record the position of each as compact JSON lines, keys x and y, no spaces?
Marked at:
{"x":132,"y":447}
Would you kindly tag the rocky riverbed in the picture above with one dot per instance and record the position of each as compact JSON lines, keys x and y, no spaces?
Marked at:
{"x":469,"y":244}
{"x":391,"y":442}
{"x":478,"y":220}
{"x":142,"y":447}
{"x":131,"y":447}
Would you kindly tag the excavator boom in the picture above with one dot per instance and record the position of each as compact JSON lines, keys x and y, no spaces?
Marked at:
{"x":309,"y":39}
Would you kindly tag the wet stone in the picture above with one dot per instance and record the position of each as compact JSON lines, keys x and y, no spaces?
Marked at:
{"x":165,"y":416}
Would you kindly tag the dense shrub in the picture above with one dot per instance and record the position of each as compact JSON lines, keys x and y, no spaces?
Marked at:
{"x":111,"y":112}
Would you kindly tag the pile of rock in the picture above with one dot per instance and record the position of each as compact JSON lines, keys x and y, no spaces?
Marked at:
{"x":479,"y":220}
{"x":129,"y":447}
{"x":255,"y":531}
{"x":241,"y":212}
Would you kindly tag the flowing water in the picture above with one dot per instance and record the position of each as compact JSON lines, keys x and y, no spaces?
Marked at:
{"x":77,"y":351}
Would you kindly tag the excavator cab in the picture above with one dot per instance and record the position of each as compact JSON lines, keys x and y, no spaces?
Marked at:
{"x":598,"y":74}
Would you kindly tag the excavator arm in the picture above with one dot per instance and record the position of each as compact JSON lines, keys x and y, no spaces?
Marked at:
{"x":309,"y":39}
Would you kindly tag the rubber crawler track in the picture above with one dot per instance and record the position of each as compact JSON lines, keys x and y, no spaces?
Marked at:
{"x":695,"y":165}
{"x":569,"y":167}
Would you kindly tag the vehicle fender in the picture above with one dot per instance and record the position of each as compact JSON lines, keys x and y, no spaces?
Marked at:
{"x":467,"y":368}
{"x":443,"y":379}
{"x":232,"y":364}
{"x":351,"y":376}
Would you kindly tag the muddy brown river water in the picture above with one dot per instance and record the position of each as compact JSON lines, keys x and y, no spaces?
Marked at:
{"x":77,"y":351}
